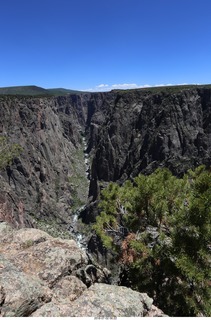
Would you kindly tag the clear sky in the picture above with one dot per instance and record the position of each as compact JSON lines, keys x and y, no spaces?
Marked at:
{"x":104,"y":44}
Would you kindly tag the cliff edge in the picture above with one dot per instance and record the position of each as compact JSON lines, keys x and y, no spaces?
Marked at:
{"x":46,"y":276}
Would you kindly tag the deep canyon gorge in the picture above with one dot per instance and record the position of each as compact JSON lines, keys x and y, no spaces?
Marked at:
{"x":74,"y":145}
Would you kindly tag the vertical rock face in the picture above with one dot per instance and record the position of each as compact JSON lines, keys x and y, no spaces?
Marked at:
{"x":38,"y":183}
{"x":137,"y":131}
{"x":127,"y":132}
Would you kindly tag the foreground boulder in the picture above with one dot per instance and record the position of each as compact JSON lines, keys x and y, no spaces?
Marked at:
{"x":20,"y":294}
{"x":45,"y":276}
{"x":104,"y":300}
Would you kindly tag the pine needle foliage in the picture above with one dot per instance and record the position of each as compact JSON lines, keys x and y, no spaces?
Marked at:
{"x":166,"y":247}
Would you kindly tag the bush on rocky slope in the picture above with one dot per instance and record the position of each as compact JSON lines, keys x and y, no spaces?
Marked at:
{"x":8,"y":151}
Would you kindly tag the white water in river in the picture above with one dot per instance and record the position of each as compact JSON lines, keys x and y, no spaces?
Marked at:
{"x":86,"y":157}
{"x":79,"y":238}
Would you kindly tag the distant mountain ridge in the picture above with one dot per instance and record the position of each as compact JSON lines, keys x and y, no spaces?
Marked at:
{"x":36,"y":91}
{"x":33,"y":90}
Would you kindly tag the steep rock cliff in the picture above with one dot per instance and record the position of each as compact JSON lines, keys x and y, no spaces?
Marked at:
{"x":137,"y":131}
{"x":41,"y":183}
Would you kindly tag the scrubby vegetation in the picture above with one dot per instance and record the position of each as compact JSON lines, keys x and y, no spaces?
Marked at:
{"x":160,"y":227}
{"x":8,"y":151}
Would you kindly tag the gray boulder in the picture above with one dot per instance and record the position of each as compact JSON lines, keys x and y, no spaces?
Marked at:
{"x":102,"y":300}
{"x":20,"y":294}
{"x":44,"y":276}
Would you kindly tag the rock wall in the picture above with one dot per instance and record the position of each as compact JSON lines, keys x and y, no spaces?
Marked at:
{"x":137,"y":131}
{"x":39,"y":185}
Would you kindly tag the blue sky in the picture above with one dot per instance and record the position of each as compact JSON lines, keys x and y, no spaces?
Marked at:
{"x":103,"y":44}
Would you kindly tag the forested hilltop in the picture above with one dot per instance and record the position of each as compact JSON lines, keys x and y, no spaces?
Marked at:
{"x":134,"y":167}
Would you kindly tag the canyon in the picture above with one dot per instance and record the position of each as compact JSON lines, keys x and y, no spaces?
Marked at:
{"x":74,"y":145}
{"x":125,"y":133}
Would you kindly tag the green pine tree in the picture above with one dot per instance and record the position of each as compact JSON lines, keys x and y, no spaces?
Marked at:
{"x":167,"y":248}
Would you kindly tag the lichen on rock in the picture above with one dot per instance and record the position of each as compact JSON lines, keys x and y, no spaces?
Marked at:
{"x":41,"y":276}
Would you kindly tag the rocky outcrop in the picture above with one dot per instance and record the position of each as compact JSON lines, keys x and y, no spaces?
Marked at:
{"x":41,"y":276}
{"x":102,"y":300}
